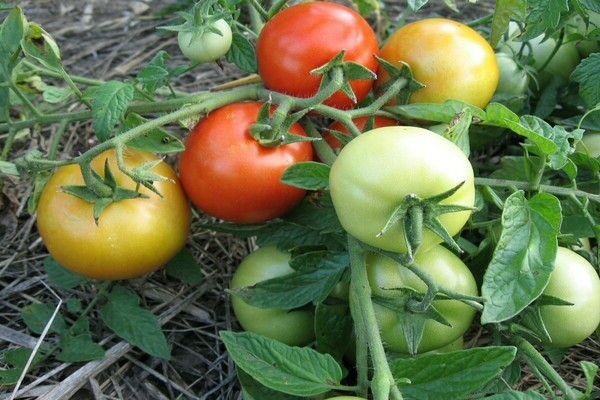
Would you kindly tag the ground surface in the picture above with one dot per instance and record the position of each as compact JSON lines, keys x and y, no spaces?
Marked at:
{"x":111,"y":40}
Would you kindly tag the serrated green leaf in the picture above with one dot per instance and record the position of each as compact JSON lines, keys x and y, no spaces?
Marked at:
{"x":504,"y":11}
{"x":444,"y":112}
{"x":315,"y":275}
{"x":242,"y":53}
{"x":39,"y":45}
{"x":450,"y":375}
{"x":587,"y":74}
{"x":307,"y":175}
{"x":79,"y":348}
{"x":12,"y":31}
{"x":524,"y":257}
{"x":55,"y":95}
{"x":155,"y":141}
{"x":138,"y":326}
{"x":184,"y":267}
{"x":60,"y":276}
{"x":333,"y":328}
{"x":253,"y":390}
{"x":299,"y":371}
{"x":37,"y":316}
{"x":110,"y":102}
{"x":543,"y":16}
{"x":154,"y":74}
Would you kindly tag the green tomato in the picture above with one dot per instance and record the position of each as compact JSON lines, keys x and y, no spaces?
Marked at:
{"x":513,"y":79}
{"x":378,"y":169}
{"x":562,"y":63}
{"x":446,"y":269}
{"x":577,"y":25}
{"x":590,"y":144}
{"x":296,"y":327}
{"x":208,"y":46}
{"x":574,"y":280}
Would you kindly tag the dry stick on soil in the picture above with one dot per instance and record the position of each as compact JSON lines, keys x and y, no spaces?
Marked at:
{"x":80,"y":378}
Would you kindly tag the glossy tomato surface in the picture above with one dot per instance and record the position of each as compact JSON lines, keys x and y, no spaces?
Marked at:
{"x":306,"y":36}
{"x":452,"y":60}
{"x":446,"y":269}
{"x":228,"y":174}
{"x":133,"y":236}
{"x":375,"y":172}
{"x":295,"y":327}
{"x":206,"y":47}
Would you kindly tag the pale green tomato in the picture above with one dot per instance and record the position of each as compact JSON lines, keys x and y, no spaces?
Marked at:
{"x":513,"y":79}
{"x":590,"y":144}
{"x":577,"y":25}
{"x":207,"y":47}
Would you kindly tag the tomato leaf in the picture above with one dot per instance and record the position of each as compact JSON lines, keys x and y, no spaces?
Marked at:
{"x":154,"y":74}
{"x":514,"y":395}
{"x":450,"y":375}
{"x":242,"y":53}
{"x":315,"y":275}
{"x":36,"y":317}
{"x":590,"y":371}
{"x":307,"y":175}
{"x":109,"y":103}
{"x":78,"y":348}
{"x":138,"y":326}
{"x":155,"y":141}
{"x":299,"y":371}
{"x":587,"y":74}
{"x":444,"y":112}
{"x":543,"y":16}
{"x":254,"y":390}
{"x":333,"y":328}
{"x":60,"y":276}
{"x":505,"y":11}
{"x":184,"y":267}
{"x":524,"y":257}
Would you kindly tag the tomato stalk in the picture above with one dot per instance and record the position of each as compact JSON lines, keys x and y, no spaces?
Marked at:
{"x":556,"y":190}
{"x":383,"y":384}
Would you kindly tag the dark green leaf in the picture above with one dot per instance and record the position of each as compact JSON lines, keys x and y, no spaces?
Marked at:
{"x":154,"y":74}
{"x":299,"y":371}
{"x":184,"y":267}
{"x":19,"y":357}
{"x":37,"y":316}
{"x":587,"y":74}
{"x":12,"y":32}
{"x":514,"y":395}
{"x":138,"y":326}
{"x":110,"y":102}
{"x":450,"y":375}
{"x":416,"y":5}
{"x":315,"y":275}
{"x":543,"y":16}
{"x":242,"y":53}
{"x":444,"y":112}
{"x":307,"y":175}
{"x":154,"y":141}
{"x":60,"y":276}
{"x":524,"y":257}
{"x":505,"y":11}
{"x":79,"y":348}
{"x":333,"y":328}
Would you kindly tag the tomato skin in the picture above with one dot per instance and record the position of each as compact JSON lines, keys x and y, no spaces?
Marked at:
{"x":585,"y":47}
{"x":305,"y":36}
{"x":295,"y":327}
{"x":228,"y":174}
{"x":446,"y":269}
{"x":360,"y":122}
{"x":133,"y":237}
{"x":376,"y":170}
{"x":513,"y":79}
{"x":452,"y":60}
{"x":574,"y":280}
{"x":590,"y":143}
{"x":208,"y":47}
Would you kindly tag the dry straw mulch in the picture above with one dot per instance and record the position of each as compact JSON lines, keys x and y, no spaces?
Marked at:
{"x":105,"y":39}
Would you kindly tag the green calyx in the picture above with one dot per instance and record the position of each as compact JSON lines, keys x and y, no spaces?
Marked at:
{"x":201,"y":19}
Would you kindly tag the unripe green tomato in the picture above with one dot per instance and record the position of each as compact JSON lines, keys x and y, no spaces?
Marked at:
{"x":590,"y":144}
{"x":577,"y":25}
{"x":513,"y":79}
{"x":446,"y":269}
{"x":576,"y":281}
{"x":209,"y":46}
{"x":296,"y":327}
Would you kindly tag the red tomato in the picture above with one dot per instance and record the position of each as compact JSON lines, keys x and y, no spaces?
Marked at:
{"x":306,"y":36}
{"x":360,"y":122}
{"x":228,"y":174}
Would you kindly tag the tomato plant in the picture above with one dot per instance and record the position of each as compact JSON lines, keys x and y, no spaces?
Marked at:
{"x":295,"y":327}
{"x":207,"y":45}
{"x":576,"y":281}
{"x":577,"y":25}
{"x":590,"y":143}
{"x":513,"y":79}
{"x":452,"y":60}
{"x":132,"y":237}
{"x":306,"y":36}
{"x":228,"y":174}
{"x":360,"y":122}
{"x":345,"y":398}
{"x":446,"y":269}
{"x":376,"y":171}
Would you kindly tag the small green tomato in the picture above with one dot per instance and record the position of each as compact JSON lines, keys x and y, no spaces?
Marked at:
{"x":208,"y":46}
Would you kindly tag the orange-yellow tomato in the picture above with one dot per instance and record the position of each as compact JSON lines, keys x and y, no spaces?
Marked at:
{"x":452,"y":60}
{"x":133,"y":236}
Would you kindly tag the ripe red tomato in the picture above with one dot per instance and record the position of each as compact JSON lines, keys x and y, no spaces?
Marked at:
{"x":306,"y":36}
{"x":228,"y":174}
{"x":360,"y":122}
{"x":452,"y":60}
{"x":133,"y":236}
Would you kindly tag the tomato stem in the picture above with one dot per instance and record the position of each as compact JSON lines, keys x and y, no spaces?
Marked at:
{"x":383,"y":384}
{"x":556,"y":190}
